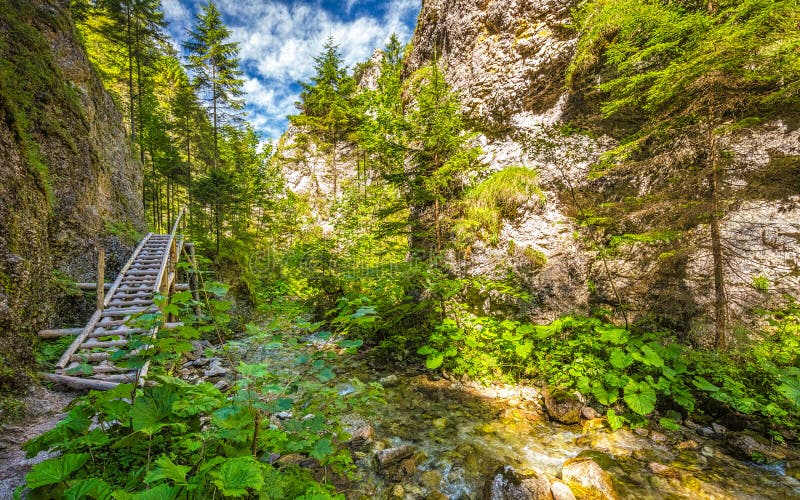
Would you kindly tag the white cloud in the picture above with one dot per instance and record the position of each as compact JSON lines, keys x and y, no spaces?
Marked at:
{"x":279,"y":40}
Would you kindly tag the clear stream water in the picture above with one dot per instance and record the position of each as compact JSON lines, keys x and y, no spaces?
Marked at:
{"x":464,"y":432}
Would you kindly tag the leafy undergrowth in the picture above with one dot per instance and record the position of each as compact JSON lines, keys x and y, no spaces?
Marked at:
{"x":175,"y":440}
{"x":634,"y":374}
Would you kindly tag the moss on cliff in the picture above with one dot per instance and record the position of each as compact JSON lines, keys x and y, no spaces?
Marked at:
{"x":62,"y":151}
{"x":31,"y":87}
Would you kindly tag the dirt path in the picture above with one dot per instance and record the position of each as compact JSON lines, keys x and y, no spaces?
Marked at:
{"x":45,"y":409}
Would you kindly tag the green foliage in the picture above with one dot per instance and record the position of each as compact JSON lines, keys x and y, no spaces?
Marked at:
{"x":125,"y":231}
{"x":498,"y":198}
{"x":633,"y":371}
{"x":177,"y":440}
{"x":49,"y":351}
{"x":536,"y":258}
{"x":761,"y":283}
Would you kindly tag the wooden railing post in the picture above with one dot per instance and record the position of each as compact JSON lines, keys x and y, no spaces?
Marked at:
{"x":101,"y":276}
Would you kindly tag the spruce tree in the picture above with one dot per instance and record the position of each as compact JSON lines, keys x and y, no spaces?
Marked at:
{"x":213,"y":61}
{"x":326,"y":104}
{"x":138,"y":26}
{"x":439,"y":159}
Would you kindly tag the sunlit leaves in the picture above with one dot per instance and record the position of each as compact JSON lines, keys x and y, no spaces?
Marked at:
{"x":640,"y":397}
{"x":166,"y":469}
{"x":55,"y":470}
{"x":236,"y":475}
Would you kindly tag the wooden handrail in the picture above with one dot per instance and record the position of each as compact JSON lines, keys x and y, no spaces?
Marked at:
{"x":168,"y":253}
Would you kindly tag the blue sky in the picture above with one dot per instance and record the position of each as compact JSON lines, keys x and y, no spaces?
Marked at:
{"x":279,"y":39}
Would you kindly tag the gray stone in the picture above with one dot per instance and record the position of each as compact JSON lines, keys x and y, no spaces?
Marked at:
{"x":508,"y":484}
{"x":561,"y":491}
{"x":753,"y":448}
{"x":391,"y":456}
{"x":215,"y":369}
{"x":389,"y":380}
{"x":718,"y":428}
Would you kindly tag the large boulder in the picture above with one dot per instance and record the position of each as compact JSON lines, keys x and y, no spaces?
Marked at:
{"x":508,"y":484}
{"x":753,"y":448}
{"x":584,"y":475}
{"x":562,"y":405}
{"x":391,"y":456}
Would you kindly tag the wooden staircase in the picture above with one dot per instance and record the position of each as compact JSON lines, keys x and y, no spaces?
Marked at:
{"x":89,"y":362}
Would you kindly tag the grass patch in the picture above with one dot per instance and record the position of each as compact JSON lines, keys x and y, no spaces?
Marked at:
{"x":499,"y":197}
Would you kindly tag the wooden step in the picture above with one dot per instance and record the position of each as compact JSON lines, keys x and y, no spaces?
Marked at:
{"x":63,"y":332}
{"x":120,"y":378}
{"x":132,"y":294}
{"x":143,"y":272}
{"x":94,"y":357}
{"x":103,"y":344}
{"x":129,"y":302}
{"x":127,"y":311}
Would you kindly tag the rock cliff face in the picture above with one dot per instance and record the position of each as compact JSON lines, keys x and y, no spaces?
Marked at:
{"x":68,"y":179}
{"x":507,"y":59}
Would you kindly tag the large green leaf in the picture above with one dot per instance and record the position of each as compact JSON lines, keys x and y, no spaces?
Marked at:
{"x":619,"y":359}
{"x":236,"y":475}
{"x":704,"y":385}
{"x":151,"y":408}
{"x":640,"y":397}
{"x":160,"y":492}
{"x":322,"y":449}
{"x":791,"y":389}
{"x":89,"y":488}
{"x":524,"y":349}
{"x":614,"y":420}
{"x":55,"y":470}
{"x":605,"y":396}
{"x":612,"y":334}
{"x":434,"y":361}
{"x":167,"y":469}
{"x":649,"y":357}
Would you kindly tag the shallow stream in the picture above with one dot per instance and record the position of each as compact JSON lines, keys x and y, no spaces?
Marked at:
{"x":463,"y":432}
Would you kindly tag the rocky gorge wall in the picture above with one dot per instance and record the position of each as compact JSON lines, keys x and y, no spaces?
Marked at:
{"x":68,"y":180}
{"x":508,"y":61}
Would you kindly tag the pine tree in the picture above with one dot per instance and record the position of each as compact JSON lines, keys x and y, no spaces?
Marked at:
{"x":326,"y":105}
{"x":440,"y":159}
{"x":138,"y":26}
{"x":215,"y":65}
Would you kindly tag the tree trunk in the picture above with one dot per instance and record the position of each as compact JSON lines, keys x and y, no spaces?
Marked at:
{"x":139,"y":89}
{"x":214,"y":106}
{"x":131,"y":107}
{"x":720,"y":297}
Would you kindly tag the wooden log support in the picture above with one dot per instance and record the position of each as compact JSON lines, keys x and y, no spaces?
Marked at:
{"x":79,"y":383}
{"x":194,"y":284}
{"x":62,"y":332}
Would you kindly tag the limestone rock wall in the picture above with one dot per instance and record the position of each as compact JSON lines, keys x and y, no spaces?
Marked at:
{"x":68,"y":179}
{"x":507,"y":59}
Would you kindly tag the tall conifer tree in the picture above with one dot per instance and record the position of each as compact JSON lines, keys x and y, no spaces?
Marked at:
{"x":214,"y":62}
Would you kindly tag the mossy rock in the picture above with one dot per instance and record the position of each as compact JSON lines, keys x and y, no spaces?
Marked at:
{"x":562,"y":406}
